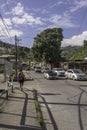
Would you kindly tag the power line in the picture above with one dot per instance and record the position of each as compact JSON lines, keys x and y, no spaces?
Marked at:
{"x":7,"y":34}
{"x":4,"y":31}
{"x":82,"y":20}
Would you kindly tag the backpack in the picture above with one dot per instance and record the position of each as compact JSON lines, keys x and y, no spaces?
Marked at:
{"x":20,"y":76}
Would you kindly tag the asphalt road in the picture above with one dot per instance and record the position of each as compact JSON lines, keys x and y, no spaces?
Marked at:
{"x":66,"y":101}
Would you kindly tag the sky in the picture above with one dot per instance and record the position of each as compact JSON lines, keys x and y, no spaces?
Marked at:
{"x":27,"y":18}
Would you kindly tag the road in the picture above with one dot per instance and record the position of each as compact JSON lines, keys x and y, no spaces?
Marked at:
{"x":66,"y":101}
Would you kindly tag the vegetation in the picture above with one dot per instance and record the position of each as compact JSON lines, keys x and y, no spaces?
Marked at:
{"x":10,"y":49}
{"x":69,"y":51}
{"x":47,"y":46}
{"x":37,"y":106}
{"x":81,"y":53}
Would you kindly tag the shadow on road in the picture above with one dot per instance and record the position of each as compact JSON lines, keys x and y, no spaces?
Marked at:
{"x":50,"y":114}
{"x":79,"y":105}
{"x":4,"y":126}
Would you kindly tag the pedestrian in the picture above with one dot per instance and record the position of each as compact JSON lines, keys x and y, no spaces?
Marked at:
{"x":21,"y":78}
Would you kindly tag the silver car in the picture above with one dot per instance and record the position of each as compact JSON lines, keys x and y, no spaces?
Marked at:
{"x":60,"y":72}
{"x":75,"y":74}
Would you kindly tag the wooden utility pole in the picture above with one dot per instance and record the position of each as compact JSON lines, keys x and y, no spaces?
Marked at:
{"x":16,"y":57}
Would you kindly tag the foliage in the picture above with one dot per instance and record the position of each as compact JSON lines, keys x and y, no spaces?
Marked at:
{"x":38,"y":107}
{"x":47,"y":46}
{"x":10,"y":48}
{"x":80,"y":55}
{"x":69,"y":51}
{"x":23,"y":52}
{"x":85,"y":44}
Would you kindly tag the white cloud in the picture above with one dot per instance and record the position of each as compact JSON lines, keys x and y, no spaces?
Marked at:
{"x":18,"y":10}
{"x":18,"y":16}
{"x":7,"y":31}
{"x":44,"y":11}
{"x":53,"y":4}
{"x":17,"y":20}
{"x":5,"y":26}
{"x":31,"y":19}
{"x":63,"y":21}
{"x":16,"y":32}
{"x":38,"y":21}
{"x":78,"y":5}
{"x":75,"y":40}
{"x":8,"y":22}
{"x":22,"y":17}
{"x":27,"y":19}
{"x":56,"y":4}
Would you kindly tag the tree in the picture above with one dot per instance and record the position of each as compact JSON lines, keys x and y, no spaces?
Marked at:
{"x":47,"y":46}
{"x":85,"y":44}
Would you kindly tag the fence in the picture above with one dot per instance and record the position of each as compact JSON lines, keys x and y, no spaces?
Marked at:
{"x":9,"y":86}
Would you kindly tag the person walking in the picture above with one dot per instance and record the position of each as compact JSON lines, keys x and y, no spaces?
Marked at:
{"x":21,"y":78}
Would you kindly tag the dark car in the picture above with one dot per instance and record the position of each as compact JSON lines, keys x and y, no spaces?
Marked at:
{"x":45,"y":69}
{"x":50,"y":75}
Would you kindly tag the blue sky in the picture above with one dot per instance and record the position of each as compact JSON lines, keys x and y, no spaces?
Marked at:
{"x":27,"y":18}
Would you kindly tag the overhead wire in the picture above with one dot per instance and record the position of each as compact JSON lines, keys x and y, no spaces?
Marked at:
{"x":82,"y":20}
{"x":6,"y":29}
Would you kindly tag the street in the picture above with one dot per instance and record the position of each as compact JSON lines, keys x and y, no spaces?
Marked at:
{"x":64,"y":100}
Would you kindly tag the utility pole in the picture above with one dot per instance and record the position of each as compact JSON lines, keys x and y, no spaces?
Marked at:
{"x":16,"y":56}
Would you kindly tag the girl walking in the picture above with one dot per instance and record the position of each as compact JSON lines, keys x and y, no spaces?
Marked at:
{"x":21,"y":78}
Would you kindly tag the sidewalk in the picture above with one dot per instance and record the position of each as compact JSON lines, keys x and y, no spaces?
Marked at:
{"x":19,"y":111}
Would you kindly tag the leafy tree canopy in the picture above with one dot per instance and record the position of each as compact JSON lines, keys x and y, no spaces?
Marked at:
{"x":47,"y":46}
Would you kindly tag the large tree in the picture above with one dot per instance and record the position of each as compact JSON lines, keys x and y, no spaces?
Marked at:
{"x":47,"y":46}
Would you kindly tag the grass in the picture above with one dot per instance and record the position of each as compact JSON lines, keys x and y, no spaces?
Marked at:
{"x":37,"y":106}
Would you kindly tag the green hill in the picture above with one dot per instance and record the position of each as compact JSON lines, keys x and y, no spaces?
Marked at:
{"x":80,"y":55}
{"x":69,"y":51}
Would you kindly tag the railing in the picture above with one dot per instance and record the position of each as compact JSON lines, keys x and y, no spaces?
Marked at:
{"x":9,"y":86}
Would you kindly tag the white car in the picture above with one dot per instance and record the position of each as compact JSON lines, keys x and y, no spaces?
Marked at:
{"x":38,"y":69}
{"x":75,"y":74}
{"x":60,"y":72}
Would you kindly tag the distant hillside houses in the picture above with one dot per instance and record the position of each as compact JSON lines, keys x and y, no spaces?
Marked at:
{"x":3,"y":50}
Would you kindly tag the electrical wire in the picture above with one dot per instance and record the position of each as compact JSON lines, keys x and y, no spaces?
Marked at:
{"x":8,"y":33}
{"x":82,"y":20}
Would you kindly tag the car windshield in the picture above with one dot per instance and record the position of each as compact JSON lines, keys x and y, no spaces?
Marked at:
{"x":46,"y":68}
{"x":59,"y":69}
{"x":50,"y":72}
{"x":77,"y":71}
{"x":38,"y":67}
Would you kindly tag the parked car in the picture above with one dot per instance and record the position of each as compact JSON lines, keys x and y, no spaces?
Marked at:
{"x":45,"y":69}
{"x":27,"y":68}
{"x":50,"y":75}
{"x":75,"y":74}
{"x":60,"y":72}
{"x":38,"y":69}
